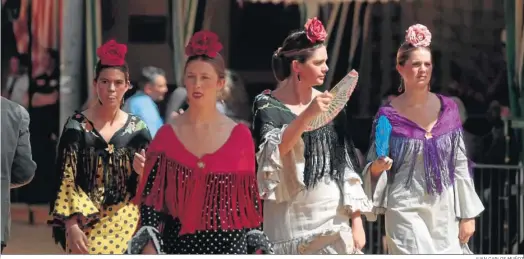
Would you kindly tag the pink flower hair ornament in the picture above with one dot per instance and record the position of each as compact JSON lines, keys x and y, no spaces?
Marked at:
{"x":418,"y":35}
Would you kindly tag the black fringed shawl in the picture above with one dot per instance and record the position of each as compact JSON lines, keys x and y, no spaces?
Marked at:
{"x":81,"y":144}
{"x":327,"y":150}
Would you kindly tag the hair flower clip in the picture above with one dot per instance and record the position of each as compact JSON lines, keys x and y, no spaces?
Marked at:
{"x":315,"y":30}
{"x":418,"y":35}
{"x":112,"y":53}
{"x":203,"y":43}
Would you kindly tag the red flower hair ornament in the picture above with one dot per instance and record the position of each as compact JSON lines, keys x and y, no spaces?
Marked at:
{"x":203,"y":43}
{"x":112,"y":53}
{"x":315,"y":30}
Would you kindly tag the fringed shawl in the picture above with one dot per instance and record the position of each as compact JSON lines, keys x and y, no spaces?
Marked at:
{"x":217,"y":191}
{"x":328,"y":150}
{"x":88,"y":152}
{"x":439,"y":147}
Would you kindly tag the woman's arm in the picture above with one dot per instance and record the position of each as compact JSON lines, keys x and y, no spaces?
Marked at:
{"x":70,"y":205}
{"x":294,"y":131}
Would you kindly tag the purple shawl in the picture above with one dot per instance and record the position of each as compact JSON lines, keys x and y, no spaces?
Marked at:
{"x":439,"y":147}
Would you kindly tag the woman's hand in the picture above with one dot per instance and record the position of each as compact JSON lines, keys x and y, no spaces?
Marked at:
{"x":319,"y":104}
{"x":380,"y":165}
{"x":149,"y":249}
{"x":139,"y":161}
{"x":359,"y":235}
{"x":174,"y":115}
{"x":76,"y":239}
{"x":466,"y":230}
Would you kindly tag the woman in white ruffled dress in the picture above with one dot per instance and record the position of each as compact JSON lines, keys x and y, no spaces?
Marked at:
{"x":418,"y":173}
{"x":307,"y":177}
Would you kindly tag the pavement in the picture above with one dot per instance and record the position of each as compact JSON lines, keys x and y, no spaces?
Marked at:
{"x":27,"y":238}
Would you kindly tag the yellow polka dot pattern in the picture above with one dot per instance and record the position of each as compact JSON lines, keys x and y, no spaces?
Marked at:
{"x":72,"y":200}
{"x":115,"y":226}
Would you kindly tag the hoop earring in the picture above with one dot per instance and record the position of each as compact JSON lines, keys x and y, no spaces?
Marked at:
{"x":298,"y":76}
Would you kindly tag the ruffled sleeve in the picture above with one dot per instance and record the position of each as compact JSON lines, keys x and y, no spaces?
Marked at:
{"x":376,"y":190}
{"x":354,"y":197}
{"x":467,"y":202}
{"x":277,"y":175}
{"x":70,"y":199}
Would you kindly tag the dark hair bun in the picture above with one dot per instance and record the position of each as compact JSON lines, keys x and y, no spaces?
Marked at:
{"x":296,"y":46}
{"x":280,"y":71}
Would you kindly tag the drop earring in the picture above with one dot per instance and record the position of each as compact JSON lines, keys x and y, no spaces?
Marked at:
{"x":401,"y":86}
{"x":298,"y":76}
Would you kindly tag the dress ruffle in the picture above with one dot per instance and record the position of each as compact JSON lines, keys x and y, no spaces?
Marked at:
{"x":73,"y":201}
{"x":355,"y":199}
{"x":467,"y":202}
{"x":331,"y":241}
{"x":376,"y":193}
{"x":278,"y":177}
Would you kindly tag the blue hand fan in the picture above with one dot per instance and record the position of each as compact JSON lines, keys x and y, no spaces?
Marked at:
{"x":382,"y":133}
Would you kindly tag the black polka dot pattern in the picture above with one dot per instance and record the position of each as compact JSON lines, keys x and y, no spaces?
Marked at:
{"x":201,"y":242}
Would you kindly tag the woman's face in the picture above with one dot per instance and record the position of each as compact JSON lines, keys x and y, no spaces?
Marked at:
{"x":313,"y":71}
{"x":111,"y":86}
{"x":417,"y":70}
{"x":202,"y":83}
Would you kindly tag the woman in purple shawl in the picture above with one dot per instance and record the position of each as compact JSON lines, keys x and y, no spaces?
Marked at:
{"x":417,"y":172}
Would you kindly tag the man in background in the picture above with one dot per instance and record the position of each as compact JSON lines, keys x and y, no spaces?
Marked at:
{"x":152,"y":88}
{"x":18,"y":167}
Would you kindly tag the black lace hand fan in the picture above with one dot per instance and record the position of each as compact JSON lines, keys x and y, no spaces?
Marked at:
{"x":341,"y":94}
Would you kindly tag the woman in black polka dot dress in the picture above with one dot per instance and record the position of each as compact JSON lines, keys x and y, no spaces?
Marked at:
{"x":92,"y":212}
{"x":199,"y":191}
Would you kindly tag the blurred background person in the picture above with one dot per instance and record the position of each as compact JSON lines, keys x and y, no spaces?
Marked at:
{"x":177,"y":102}
{"x":10,"y":13}
{"x":17,"y":83}
{"x":233,"y":99}
{"x":44,"y":128}
{"x":152,"y":89}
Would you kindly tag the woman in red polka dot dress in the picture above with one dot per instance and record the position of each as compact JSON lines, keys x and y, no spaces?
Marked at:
{"x":99,"y":174}
{"x":199,"y":191}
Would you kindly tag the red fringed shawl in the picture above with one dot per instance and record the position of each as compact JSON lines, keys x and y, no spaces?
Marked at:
{"x":217,"y":191}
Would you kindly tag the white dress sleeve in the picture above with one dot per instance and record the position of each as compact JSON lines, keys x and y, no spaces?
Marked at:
{"x":376,"y":191}
{"x":278,"y":177}
{"x":467,"y":201}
